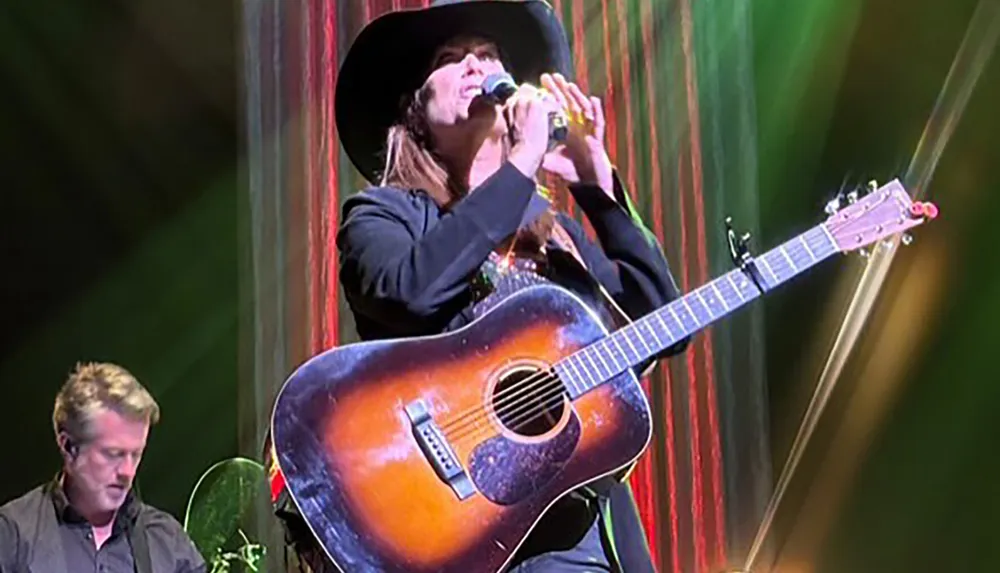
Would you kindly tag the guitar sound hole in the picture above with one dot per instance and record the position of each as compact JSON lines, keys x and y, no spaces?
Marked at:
{"x":528,"y":402}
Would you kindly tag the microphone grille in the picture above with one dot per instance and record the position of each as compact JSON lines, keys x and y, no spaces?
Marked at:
{"x":499,"y":85}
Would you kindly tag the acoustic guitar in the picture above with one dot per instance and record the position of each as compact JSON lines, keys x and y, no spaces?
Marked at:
{"x":440,"y":453}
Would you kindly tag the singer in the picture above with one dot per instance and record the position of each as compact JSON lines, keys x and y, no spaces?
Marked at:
{"x":456,"y":219}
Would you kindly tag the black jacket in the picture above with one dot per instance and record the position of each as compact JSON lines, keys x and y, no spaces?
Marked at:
{"x":407,"y":266}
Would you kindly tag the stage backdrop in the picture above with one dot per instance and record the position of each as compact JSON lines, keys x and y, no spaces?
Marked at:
{"x":676,"y":78}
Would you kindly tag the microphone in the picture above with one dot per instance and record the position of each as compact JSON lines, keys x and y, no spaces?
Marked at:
{"x":499,"y":87}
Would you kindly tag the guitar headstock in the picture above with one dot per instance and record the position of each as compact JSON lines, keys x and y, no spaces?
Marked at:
{"x":882,"y":213}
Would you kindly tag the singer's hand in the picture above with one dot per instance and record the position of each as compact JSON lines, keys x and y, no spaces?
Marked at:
{"x":582,"y":158}
{"x":527,"y":115}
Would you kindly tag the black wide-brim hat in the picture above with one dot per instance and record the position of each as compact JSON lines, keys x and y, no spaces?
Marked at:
{"x":391,"y":58}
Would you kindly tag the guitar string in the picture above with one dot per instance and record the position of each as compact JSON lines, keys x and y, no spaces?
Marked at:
{"x":540,"y":404}
{"x":533,"y":408}
{"x":502,"y":399}
{"x":522,"y":388}
{"x":514,"y":405}
{"x":522,"y":395}
{"x":503,"y":407}
{"x":517,"y":389}
{"x":552,"y":400}
{"x":511,"y":397}
{"x":796,"y":251}
{"x":549,"y":401}
{"x":499,"y":397}
{"x":516,"y":393}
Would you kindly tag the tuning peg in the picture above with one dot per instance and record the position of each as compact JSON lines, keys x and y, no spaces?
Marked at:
{"x":852,"y":197}
{"x":907,"y":238}
{"x":872,"y":186}
{"x":930,"y":210}
{"x":832,"y":206}
{"x":924,"y":209}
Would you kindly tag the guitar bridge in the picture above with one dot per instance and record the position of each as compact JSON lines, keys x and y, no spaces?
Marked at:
{"x":437,"y":450}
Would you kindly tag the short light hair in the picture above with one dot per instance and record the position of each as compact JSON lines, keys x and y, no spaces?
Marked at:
{"x":95,"y":387}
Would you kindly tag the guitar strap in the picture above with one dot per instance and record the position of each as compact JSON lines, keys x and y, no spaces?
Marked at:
{"x":140,"y":545}
{"x":48,"y":553}
{"x":607,"y":530}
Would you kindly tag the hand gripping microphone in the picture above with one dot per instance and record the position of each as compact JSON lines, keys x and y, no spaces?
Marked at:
{"x":499,"y":87}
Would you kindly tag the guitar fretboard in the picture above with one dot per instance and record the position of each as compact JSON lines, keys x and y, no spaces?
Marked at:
{"x":637,"y":342}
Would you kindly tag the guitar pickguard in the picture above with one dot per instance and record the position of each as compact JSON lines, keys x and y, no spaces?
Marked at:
{"x":508,"y":471}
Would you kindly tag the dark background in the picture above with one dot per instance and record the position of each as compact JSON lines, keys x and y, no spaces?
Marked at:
{"x":121,"y":241}
{"x":119,"y":145}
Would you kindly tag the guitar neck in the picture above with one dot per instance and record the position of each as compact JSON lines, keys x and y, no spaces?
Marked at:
{"x":643,"y":339}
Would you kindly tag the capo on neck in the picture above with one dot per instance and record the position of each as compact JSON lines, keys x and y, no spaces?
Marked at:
{"x":739,"y":250}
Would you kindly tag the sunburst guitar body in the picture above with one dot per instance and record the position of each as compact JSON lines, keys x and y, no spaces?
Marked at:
{"x":440,"y":453}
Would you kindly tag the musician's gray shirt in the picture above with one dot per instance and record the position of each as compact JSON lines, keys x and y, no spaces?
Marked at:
{"x":41,"y":532}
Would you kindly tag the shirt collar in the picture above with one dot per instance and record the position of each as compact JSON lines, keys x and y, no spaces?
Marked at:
{"x":66,"y":513}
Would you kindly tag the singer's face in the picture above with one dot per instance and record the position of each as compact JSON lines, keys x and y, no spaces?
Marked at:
{"x":456,"y":79}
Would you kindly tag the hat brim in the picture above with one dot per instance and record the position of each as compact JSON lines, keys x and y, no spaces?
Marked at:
{"x":391,"y":57}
